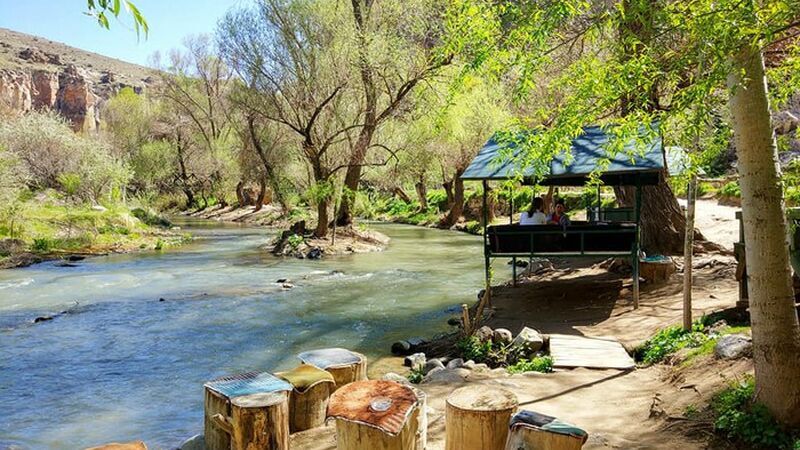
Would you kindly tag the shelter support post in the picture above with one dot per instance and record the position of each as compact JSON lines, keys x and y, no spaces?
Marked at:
{"x":637,"y":241}
{"x":510,"y":222}
{"x":486,"y":255}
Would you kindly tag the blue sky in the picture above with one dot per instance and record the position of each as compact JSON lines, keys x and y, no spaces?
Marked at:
{"x":63,"y":21}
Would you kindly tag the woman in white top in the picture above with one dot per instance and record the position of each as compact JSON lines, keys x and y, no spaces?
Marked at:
{"x":534,"y":215}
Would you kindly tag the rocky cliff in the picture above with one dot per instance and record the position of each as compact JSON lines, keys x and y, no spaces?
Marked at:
{"x":36,"y":73}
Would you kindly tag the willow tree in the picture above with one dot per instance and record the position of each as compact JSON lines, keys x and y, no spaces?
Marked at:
{"x":289,"y":57}
{"x":396,"y":52}
{"x":729,"y":35}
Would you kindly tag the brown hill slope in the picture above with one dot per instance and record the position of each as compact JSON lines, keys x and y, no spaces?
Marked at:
{"x":37,"y":73}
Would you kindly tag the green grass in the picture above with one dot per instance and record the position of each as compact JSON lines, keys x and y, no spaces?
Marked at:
{"x":669,"y":341}
{"x":49,"y":224}
{"x":542,"y":364}
{"x":416,"y":375}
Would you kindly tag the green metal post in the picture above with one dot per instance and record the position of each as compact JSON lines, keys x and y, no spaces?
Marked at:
{"x":599,"y":204}
{"x":635,"y":261}
{"x":486,"y":251}
{"x":511,"y":222}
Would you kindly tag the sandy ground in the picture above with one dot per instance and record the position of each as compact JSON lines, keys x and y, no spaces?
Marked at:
{"x":717,"y":222}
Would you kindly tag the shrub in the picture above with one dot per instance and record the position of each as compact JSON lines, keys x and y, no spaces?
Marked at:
{"x":542,"y":364}
{"x":416,"y":375}
{"x":473,"y":227}
{"x":472,"y":348}
{"x":731,"y":190}
{"x":42,"y":245}
{"x":670,"y":340}
{"x":739,"y":418}
{"x":295,"y":240}
{"x":150,"y":218}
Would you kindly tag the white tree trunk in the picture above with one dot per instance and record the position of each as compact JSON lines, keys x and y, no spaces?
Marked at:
{"x":688,"y":247}
{"x":776,"y":333}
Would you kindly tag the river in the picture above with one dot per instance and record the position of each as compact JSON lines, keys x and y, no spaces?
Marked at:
{"x":122,"y":364}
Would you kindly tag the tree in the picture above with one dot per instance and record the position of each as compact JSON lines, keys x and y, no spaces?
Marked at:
{"x":290,"y":60}
{"x":395,"y":55}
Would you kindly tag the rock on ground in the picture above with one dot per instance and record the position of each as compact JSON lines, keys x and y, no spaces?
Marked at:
{"x":528,"y":341}
{"x":196,"y":442}
{"x":733,"y":346}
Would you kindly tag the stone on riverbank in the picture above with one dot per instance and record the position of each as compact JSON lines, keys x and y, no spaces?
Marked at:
{"x":196,"y":442}
{"x":528,"y":341}
{"x":502,"y":336}
{"x":431,"y":365}
{"x":484,"y":334}
{"x":416,"y":361}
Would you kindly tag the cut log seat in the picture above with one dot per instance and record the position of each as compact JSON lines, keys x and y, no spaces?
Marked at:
{"x":537,"y":239}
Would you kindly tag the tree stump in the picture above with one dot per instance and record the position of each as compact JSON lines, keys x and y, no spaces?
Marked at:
{"x":346,"y":366}
{"x":308,"y":400}
{"x":534,"y":431}
{"x":247,"y":411}
{"x":260,"y":421}
{"x":377,"y":415}
{"x":656,"y":271}
{"x":477,"y":418}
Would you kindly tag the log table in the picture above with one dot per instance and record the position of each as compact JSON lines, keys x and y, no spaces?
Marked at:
{"x":308,"y":400}
{"x":477,"y":417}
{"x":533,"y":431}
{"x":346,"y":366}
{"x":247,"y":411}
{"x":377,"y":415}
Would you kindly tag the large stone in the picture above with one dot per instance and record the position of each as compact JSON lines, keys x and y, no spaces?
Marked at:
{"x":446,"y":376}
{"x":484,"y":333}
{"x":45,"y":89}
{"x":528,"y":341}
{"x":15,"y":90}
{"x":196,"y":442}
{"x":456,"y":363}
{"x":431,"y":365}
{"x":502,"y":336}
{"x":415,"y":361}
{"x":733,"y":346}
{"x":401,"y":348}
{"x":76,"y":101}
{"x":391,"y":376}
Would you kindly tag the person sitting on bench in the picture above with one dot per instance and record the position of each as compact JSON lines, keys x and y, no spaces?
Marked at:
{"x":559,"y":217}
{"x":534,"y":214}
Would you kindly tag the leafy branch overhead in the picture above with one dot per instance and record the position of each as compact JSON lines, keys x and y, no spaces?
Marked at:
{"x":100,"y":10}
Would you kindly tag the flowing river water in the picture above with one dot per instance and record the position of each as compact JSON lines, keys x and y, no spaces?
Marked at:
{"x":122,"y":364}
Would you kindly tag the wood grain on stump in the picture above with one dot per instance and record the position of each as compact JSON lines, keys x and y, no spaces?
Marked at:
{"x":477,"y":418}
{"x":377,"y":415}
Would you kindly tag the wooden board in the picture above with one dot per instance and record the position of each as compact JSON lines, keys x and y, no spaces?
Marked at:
{"x":594,"y":353}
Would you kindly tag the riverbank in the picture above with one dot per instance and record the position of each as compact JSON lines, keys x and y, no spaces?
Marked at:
{"x":296,"y":238}
{"x":45,"y":229}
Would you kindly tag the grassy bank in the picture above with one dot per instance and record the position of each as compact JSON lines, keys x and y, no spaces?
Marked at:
{"x":46,"y":226}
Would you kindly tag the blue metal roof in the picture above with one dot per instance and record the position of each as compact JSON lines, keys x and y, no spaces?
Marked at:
{"x":500,"y":159}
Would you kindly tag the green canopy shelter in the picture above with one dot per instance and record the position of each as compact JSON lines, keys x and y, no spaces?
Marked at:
{"x":607,"y":233}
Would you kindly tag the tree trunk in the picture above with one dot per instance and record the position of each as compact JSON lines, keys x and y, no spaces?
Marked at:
{"x":322,"y":219}
{"x":268,"y":169}
{"x":776,"y":333}
{"x":457,"y":208}
{"x":663,"y":222}
{"x":398,"y":191}
{"x":262,"y":193}
{"x":422,"y":194}
{"x":490,"y":205}
{"x":353,"y":175}
{"x":240,"y":194}
{"x":688,"y":247}
{"x":448,"y":190}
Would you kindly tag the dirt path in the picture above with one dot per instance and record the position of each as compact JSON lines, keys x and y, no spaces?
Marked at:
{"x":717,"y":222}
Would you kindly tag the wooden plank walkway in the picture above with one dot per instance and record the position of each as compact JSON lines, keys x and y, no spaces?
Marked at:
{"x":595,"y":353}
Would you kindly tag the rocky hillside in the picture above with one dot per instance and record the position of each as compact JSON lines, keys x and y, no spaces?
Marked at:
{"x":36,"y":73}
